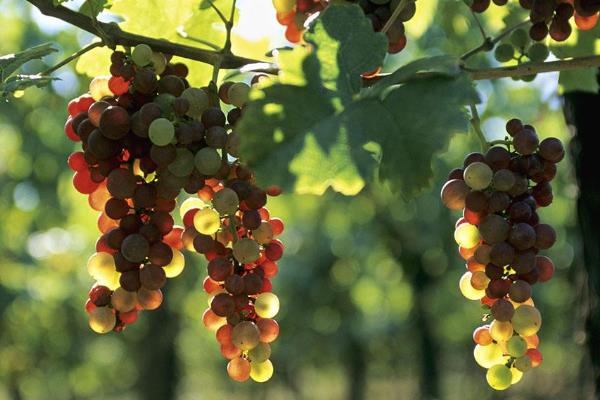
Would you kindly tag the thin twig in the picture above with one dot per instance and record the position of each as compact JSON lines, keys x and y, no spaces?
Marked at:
{"x":394,"y":16}
{"x":229,"y":28}
{"x":219,"y":13}
{"x":476,"y":124}
{"x":478,"y":22}
{"x":500,"y":141}
{"x":72,"y":57}
{"x":489,"y":43}
{"x":117,"y":36}
{"x":187,"y":36}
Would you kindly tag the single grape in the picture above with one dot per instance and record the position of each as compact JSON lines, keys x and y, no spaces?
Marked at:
{"x":467,"y":289}
{"x":261,"y":372}
{"x":102,"y":320}
{"x":266,"y":305}
{"x":238,"y":94}
{"x":527,"y":320}
{"x":161,"y":131}
{"x":226,"y":201}
{"x":478,"y":176}
{"x":517,"y":346}
{"x":467,"y":235}
{"x":454,"y":193}
{"x":246,"y":250}
{"x":260,"y":353}
{"x":207,"y":161}
{"x":207,"y":221}
{"x":499,"y":377}
{"x":501,"y":331}
{"x":245,"y":335}
{"x":502,"y":310}
{"x":489,"y":355}
{"x":238,"y":369}
{"x":504,"y":52}
{"x":141,"y":55}
{"x":538,"y":52}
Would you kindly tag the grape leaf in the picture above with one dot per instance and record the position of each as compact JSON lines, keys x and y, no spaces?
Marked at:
{"x":22,"y":82}
{"x":207,"y":3}
{"x":12,"y":62}
{"x":299,"y":133}
{"x":342,"y":64}
{"x":92,"y":8}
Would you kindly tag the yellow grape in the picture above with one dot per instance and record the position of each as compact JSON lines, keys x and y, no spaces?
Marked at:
{"x":527,"y":320}
{"x":499,"y":377}
{"x":264,"y":233}
{"x":501,"y":331}
{"x":207,"y":221}
{"x":189,"y":204}
{"x":489,"y":355}
{"x":99,"y":87}
{"x":467,"y":235}
{"x":245,"y":335}
{"x":266,"y":305}
{"x":175,"y":267}
{"x":101,"y":266}
{"x":102,"y":320}
{"x":122,"y":300}
{"x":467,"y":289}
{"x":516,"y":375}
{"x":284,"y":6}
{"x":159,"y":62}
{"x":261,"y":372}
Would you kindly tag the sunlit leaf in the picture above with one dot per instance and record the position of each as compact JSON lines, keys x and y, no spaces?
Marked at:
{"x":11,"y":62}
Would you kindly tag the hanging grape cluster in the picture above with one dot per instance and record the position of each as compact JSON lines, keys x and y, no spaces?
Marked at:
{"x":500,"y":236}
{"x":294,"y":13}
{"x":146,"y":136}
{"x":551,"y":17}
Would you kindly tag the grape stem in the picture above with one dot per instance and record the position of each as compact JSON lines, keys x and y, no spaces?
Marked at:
{"x":489,"y":43}
{"x":182,"y":33}
{"x":233,"y":228}
{"x":229,"y":27}
{"x":500,"y":141}
{"x":113,"y":35}
{"x":481,"y":30}
{"x":219,"y":13}
{"x":72,"y":57}
{"x":394,"y":16}
{"x":476,"y":124}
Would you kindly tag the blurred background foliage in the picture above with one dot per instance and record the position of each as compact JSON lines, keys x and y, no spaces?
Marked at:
{"x":371,"y":307}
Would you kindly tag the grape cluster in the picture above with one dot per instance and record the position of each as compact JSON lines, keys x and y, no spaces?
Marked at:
{"x":146,"y":135}
{"x":500,"y":236}
{"x":551,"y":17}
{"x":294,"y":13}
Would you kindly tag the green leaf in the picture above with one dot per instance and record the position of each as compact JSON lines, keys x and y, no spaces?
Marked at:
{"x":306,"y":132}
{"x":204,"y":4}
{"x":92,"y":8}
{"x":12,"y":62}
{"x":341,"y":63}
{"x":22,"y":82}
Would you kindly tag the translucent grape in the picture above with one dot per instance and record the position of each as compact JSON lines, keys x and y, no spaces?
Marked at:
{"x":482,"y":335}
{"x":266,"y":305}
{"x":161,"y":131}
{"x":246,"y":250}
{"x":226,"y":201}
{"x":189,"y":204}
{"x":264,"y":233}
{"x":478,"y":175}
{"x":238,"y":94}
{"x":527,"y":320}
{"x":149,"y":299}
{"x":261,"y":372}
{"x":517,"y":346}
{"x":101,"y":267}
{"x":176,"y":266}
{"x":501,"y":331}
{"x":499,"y":377}
{"x":467,"y":235}
{"x":159,"y":62}
{"x":523,"y":364}
{"x":141,"y":55}
{"x":467,"y":289}
{"x":99,"y":87}
{"x":516,"y":375}
{"x":198,"y":100}
{"x":245,"y":335}
{"x":207,"y":221}
{"x":122,"y":300}
{"x":489,"y":355}
{"x":102,"y":320}
{"x":260,"y":353}
{"x":454,"y":193}
{"x":269,"y":329}
{"x":212,"y":321}
{"x":238,"y":369}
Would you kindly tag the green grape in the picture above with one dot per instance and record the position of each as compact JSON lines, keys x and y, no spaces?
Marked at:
{"x":245,"y":335}
{"x":528,"y":78}
{"x":175,"y":267}
{"x":467,"y":235}
{"x":467,"y":289}
{"x":501,"y":331}
{"x":245,"y":250}
{"x":183,"y":165}
{"x":238,"y":94}
{"x":102,"y":320}
{"x":226,"y":201}
{"x":504,"y":52}
{"x":161,"y":131}
{"x":517,"y":346}
{"x":499,"y":377}
{"x":122,"y":300}
{"x":538,"y":52}
{"x":264,"y":233}
{"x":207,"y":221}
{"x":489,"y":355}
{"x":478,"y":175}
{"x":523,"y":364}
{"x":261,"y":372}
{"x":101,"y":267}
{"x":266,"y":305}
{"x":198,"y":99}
{"x":207,"y":161}
{"x":165,"y":102}
{"x":141,"y":55}
{"x":516,"y":375}
{"x":519,"y":38}
{"x":159,"y":62}
{"x":527,"y":320}
{"x":260,"y":353}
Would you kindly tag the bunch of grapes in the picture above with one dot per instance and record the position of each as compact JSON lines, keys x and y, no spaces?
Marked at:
{"x":294,"y":13}
{"x":146,"y":135}
{"x":500,"y":236}
{"x":551,"y":17}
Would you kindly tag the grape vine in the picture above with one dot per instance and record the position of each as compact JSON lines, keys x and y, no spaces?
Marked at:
{"x":499,"y":236}
{"x":146,"y":135}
